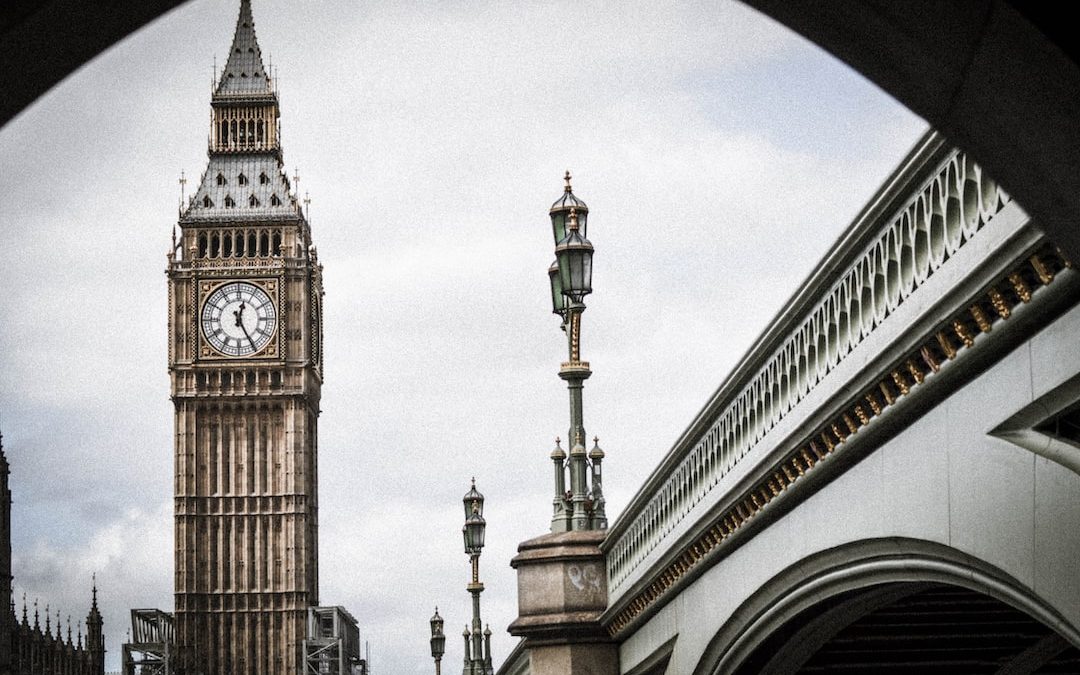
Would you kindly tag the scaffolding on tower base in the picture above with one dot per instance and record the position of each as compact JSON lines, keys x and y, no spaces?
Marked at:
{"x":151,"y":649}
{"x":332,"y":645}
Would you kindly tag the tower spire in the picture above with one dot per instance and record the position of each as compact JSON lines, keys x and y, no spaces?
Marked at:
{"x":244,"y":73}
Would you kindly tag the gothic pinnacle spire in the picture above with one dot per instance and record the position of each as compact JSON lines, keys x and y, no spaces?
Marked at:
{"x":244,"y":74}
{"x":3,"y":456}
{"x":95,"y":613}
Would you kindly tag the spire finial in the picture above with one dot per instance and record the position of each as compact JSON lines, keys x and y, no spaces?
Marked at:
{"x":25,"y":622}
{"x":37,"y":624}
{"x":94,"y":611}
{"x":567,"y":179}
{"x":79,"y":630}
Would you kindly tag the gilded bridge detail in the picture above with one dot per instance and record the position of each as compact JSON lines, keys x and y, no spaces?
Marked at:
{"x":929,"y":358}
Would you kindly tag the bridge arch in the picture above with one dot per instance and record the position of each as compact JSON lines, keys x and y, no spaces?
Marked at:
{"x":797,"y":612}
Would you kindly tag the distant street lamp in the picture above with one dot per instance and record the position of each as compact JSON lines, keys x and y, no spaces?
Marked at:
{"x":438,"y":641}
{"x":477,"y":642}
{"x":582,"y":506}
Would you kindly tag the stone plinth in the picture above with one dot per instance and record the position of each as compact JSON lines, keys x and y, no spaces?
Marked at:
{"x":562,"y":591}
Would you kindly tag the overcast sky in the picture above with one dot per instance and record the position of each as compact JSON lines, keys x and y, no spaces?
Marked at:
{"x":720,"y":156}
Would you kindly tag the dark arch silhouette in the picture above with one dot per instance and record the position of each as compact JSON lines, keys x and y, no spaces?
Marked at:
{"x":993,"y":77}
{"x":43,"y":41}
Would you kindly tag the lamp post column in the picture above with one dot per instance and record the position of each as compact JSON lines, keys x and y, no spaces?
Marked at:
{"x":477,"y":654}
{"x":575,"y":372}
{"x":475,"y":588}
{"x":573,"y":254}
{"x":438,"y":641}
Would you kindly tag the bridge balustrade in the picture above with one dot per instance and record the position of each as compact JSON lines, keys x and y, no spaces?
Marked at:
{"x":855,"y":313}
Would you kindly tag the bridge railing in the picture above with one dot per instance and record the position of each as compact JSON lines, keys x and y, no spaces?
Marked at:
{"x":933,"y":206}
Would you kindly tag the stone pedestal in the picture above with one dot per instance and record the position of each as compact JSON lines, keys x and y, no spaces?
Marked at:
{"x":562,"y":591}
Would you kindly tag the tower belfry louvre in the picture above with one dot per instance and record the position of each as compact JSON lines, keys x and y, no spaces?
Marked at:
{"x":245,"y":362}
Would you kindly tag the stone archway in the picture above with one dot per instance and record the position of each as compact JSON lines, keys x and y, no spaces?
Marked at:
{"x":892,"y":606}
{"x":906,"y":627}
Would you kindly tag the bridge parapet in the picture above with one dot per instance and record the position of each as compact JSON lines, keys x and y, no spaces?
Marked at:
{"x":940,"y":239}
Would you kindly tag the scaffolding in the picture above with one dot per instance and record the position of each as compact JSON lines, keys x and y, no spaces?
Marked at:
{"x":332,"y":646}
{"x":150,"y":651}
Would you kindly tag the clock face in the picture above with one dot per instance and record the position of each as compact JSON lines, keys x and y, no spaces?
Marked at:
{"x":238,"y":319}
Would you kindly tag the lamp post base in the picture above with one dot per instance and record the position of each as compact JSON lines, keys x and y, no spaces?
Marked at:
{"x":562,"y":591}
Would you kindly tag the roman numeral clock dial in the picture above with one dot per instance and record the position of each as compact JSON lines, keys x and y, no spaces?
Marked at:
{"x":238,"y":319}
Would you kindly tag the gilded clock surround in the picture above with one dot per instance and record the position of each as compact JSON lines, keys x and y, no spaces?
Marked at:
{"x":271,"y":287}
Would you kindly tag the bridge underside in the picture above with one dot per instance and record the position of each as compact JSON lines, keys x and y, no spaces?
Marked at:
{"x":913,"y":627}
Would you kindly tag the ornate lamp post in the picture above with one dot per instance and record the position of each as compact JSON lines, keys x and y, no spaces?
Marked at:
{"x":438,"y":641}
{"x":581,"y":507}
{"x":477,"y":642}
{"x":562,"y":630}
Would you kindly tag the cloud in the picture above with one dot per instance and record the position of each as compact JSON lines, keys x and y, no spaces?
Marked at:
{"x":129,"y":554}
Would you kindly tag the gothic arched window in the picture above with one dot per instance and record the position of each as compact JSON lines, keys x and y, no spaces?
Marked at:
{"x":229,"y":203}
{"x":253,"y":201}
{"x":221,"y":179}
{"x":241,"y":179}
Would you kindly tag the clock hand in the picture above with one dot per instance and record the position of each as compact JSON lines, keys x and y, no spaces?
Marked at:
{"x":239,"y":322}
{"x":244,"y":328}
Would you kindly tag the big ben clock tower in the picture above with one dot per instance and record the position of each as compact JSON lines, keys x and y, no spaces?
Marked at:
{"x":245,"y":359}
